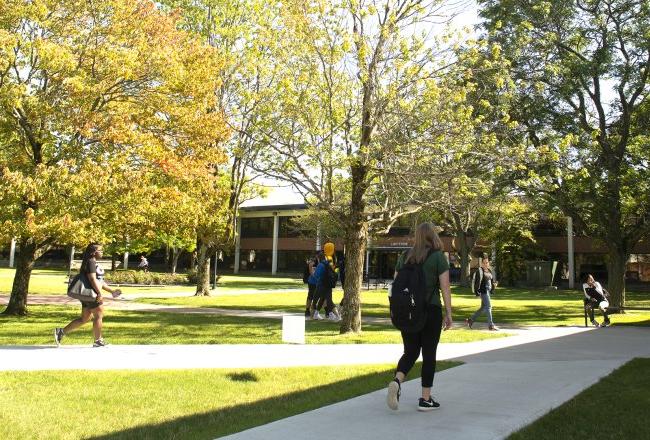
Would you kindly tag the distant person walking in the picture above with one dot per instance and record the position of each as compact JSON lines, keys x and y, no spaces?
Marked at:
{"x":309,"y":279}
{"x":427,"y":251}
{"x":95,"y":274}
{"x":595,"y":296}
{"x":483,"y":284}
{"x":144,"y":264}
{"x":326,"y":276}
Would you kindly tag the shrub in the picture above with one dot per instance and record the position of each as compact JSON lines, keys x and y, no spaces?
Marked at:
{"x":148,"y":278}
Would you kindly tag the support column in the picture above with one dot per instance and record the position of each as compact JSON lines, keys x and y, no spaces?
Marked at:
{"x":237,"y":245}
{"x":12,"y":252}
{"x":126,"y":260}
{"x":318,"y":238}
{"x":71,"y":260}
{"x":276,"y":230}
{"x":569,"y":228}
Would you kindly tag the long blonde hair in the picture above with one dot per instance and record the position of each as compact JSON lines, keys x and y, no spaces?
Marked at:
{"x":426,"y":238}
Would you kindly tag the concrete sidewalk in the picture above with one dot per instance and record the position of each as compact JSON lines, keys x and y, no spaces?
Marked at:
{"x":504,"y":384}
{"x":492,"y":395}
{"x":149,"y":357}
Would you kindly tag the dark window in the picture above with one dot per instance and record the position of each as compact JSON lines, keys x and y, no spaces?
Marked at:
{"x":257,"y":227}
{"x":293,"y":261}
{"x":289,"y":227}
{"x":399,"y":231}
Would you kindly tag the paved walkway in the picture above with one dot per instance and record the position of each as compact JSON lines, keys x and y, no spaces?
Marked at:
{"x":146,"y":357}
{"x":505,"y":383}
{"x":492,"y":395}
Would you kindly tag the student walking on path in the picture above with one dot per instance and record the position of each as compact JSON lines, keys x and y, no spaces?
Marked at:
{"x":426,"y":251}
{"x":326,"y":276}
{"x":483,"y":284}
{"x":310,"y":280}
{"x":95,"y":274}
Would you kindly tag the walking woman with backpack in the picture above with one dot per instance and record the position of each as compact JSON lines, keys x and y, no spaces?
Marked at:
{"x":483,"y":284}
{"x":95,"y":275}
{"x":426,"y":252}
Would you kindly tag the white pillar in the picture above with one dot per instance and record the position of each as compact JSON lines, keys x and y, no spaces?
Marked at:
{"x":276,"y":231}
{"x":237,"y":245}
{"x":71,"y":261}
{"x":318,"y":238}
{"x":367,"y":264}
{"x":126,"y":260}
{"x":569,"y":228}
{"x":12,"y":252}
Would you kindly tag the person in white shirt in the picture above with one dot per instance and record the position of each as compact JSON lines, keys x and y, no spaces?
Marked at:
{"x":144,"y":264}
{"x":595,"y":295}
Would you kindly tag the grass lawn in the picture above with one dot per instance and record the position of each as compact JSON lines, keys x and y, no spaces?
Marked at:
{"x":617,"y":407}
{"x":136,"y":327}
{"x":509,"y":306}
{"x":187,"y":404}
{"x":52,"y":282}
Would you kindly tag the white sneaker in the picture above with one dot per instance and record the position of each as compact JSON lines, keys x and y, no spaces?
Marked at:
{"x":332,"y":317}
{"x":317,"y":316}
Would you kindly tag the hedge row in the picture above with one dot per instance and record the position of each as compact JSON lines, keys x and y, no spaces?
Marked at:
{"x":140,"y":277}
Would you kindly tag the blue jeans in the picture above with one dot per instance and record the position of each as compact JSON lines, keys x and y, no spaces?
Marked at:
{"x":486,"y":307}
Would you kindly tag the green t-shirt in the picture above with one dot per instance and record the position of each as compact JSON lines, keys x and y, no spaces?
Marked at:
{"x":435,"y":265}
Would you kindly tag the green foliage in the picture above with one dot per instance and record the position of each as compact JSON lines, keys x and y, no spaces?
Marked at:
{"x":141,"y":277}
{"x":582,"y":73}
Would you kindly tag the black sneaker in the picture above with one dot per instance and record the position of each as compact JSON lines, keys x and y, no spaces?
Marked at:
{"x":394,"y":391}
{"x":100,"y":343}
{"x":605,"y":324}
{"x":428,"y":405}
{"x":595,"y":323}
{"x":58,"y":335}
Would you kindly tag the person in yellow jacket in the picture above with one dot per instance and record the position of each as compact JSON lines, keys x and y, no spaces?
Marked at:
{"x":326,"y":275}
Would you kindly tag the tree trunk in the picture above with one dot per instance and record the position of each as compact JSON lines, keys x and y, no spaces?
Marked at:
{"x":176,"y":252}
{"x":465,"y":258}
{"x":616,"y":276}
{"x":24,"y":264}
{"x":167,"y":261}
{"x":355,"y":250}
{"x":113,"y":262}
{"x":203,"y":270}
{"x":356,"y":236}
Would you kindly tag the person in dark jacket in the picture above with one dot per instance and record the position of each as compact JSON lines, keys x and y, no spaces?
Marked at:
{"x":325,"y":271}
{"x":595,"y":296}
{"x":483,"y":284}
{"x":311,"y":280}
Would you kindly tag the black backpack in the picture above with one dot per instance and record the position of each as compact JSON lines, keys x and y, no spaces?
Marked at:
{"x":407,"y":298}
{"x":331,"y":277}
{"x":305,"y":273}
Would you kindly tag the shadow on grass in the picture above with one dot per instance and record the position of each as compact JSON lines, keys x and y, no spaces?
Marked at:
{"x":234,"y":419}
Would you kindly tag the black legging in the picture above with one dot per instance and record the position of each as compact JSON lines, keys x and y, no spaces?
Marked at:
{"x":323,"y":295}
{"x":426,"y":340}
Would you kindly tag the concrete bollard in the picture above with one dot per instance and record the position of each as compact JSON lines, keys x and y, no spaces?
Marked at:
{"x":293,"y":329}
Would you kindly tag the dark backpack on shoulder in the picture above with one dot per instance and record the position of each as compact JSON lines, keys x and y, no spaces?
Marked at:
{"x":407,"y":297}
{"x":331,"y":277}
{"x":305,"y":273}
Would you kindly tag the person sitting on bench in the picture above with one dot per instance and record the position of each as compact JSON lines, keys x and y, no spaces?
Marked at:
{"x":595,"y":295}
